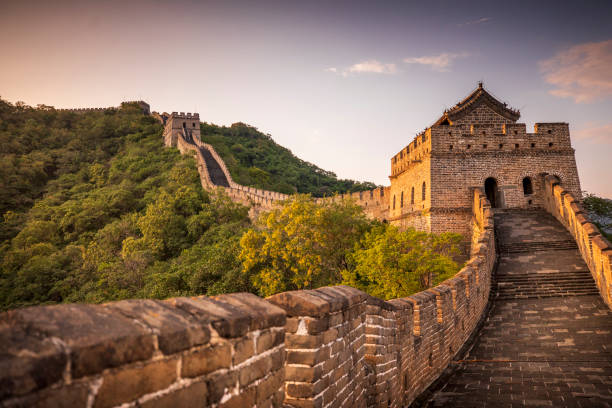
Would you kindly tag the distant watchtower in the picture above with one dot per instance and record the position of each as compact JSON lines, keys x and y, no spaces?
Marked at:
{"x":477,"y":143}
{"x":186,"y":124}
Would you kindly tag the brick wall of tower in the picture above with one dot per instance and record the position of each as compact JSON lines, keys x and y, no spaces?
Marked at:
{"x":410,"y":169}
{"x":482,"y":114}
{"x":463,"y":157}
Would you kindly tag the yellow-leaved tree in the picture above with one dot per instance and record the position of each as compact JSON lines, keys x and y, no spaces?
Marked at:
{"x":302,"y":244}
{"x":390,"y":263}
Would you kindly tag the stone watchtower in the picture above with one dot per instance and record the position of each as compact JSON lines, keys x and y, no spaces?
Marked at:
{"x":177,"y":123}
{"x":477,"y":143}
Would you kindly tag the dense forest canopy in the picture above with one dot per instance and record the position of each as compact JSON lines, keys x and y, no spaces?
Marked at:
{"x":254,"y":159}
{"x":95,"y":208}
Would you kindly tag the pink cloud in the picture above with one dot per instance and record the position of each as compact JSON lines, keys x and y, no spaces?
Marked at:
{"x":441,"y":62}
{"x":373,"y":66}
{"x":582,"y":72}
{"x":595,"y":134}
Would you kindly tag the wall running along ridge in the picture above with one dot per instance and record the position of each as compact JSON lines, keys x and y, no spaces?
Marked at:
{"x":594,"y":248}
{"x":374,"y":202}
{"x":329,"y":347}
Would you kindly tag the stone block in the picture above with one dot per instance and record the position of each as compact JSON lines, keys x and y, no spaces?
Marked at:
{"x":308,"y":357}
{"x":303,"y":341}
{"x":303,"y":373}
{"x":260,"y":367}
{"x":27,"y":363}
{"x":269,"y":339}
{"x":243,"y":350}
{"x":66,"y":396}
{"x":270,"y":385}
{"x":127,"y":384}
{"x":304,"y":403}
{"x":246,"y":398}
{"x":176,"y":330}
{"x":97,"y":337}
{"x":193,"y":395}
{"x":301,"y":303}
{"x":219,"y":384}
{"x":226,"y":319}
{"x":206,"y":360}
{"x":263,"y":313}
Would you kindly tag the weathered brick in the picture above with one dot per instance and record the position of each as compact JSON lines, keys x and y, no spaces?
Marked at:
{"x":192,"y":395}
{"x":303,"y":373}
{"x":264,"y":314}
{"x":270,"y":385}
{"x":66,"y":396}
{"x":246,"y":398}
{"x":206,"y":360}
{"x":269,"y":339}
{"x":243,"y":349}
{"x":175,"y":329}
{"x":98,"y":338}
{"x":226,"y":319}
{"x":127,"y":384}
{"x":308,"y":357}
{"x":219,"y":384}
{"x":27,"y":363}
{"x":303,"y":341}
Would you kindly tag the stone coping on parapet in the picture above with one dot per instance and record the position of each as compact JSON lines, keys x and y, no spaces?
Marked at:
{"x":594,"y":248}
{"x":332,"y":345}
{"x":183,"y":115}
{"x":430,"y":210}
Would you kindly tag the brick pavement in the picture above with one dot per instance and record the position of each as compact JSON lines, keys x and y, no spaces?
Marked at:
{"x":548,"y":338}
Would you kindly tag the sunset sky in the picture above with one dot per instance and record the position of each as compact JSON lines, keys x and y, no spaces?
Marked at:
{"x":344,"y":85}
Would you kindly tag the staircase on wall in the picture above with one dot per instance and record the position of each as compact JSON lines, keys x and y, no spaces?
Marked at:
{"x":217,"y":176}
{"x":546,"y":341}
{"x":539,"y":258}
{"x":215,"y":172}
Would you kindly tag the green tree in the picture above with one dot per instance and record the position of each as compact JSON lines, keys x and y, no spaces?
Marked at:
{"x":389,"y":263}
{"x":301,"y":244}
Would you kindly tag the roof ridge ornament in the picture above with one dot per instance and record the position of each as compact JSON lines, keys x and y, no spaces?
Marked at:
{"x":479,"y":95}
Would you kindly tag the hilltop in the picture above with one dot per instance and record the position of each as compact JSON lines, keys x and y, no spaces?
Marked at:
{"x":255,"y":159}
{"x":95,"y":208}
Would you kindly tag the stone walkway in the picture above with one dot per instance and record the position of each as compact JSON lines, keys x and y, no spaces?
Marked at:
{"x":548,"y":337}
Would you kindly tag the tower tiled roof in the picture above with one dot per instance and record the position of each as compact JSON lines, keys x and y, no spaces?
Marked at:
{"x":478,"y":96}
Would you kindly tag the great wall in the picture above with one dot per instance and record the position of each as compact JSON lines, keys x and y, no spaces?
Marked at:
{"x":523,"y":322}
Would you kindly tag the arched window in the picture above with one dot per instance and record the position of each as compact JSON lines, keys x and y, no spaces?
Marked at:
{"x":394,"y":201}
{"x":402,"y":199}
{"x":423,"y":192}
{"x":527,"y":186}
{"x":412,"y":196}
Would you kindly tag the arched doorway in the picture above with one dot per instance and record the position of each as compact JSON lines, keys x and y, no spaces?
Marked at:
{"x":491,"y":191}
{"x":527,"y":186}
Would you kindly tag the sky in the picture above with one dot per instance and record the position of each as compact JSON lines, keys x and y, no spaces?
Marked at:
{"x":342,"y":84}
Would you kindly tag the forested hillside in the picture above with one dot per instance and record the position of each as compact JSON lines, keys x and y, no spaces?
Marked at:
{"x":254,"y":159}
{"x":95,"y":208}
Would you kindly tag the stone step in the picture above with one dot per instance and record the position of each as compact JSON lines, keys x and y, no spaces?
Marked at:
{"x":522,"y":277}
{"x":506,"y":284}
{"x":548,"y":290}
{"x":546,"y":295}
{"x":519,"y":247}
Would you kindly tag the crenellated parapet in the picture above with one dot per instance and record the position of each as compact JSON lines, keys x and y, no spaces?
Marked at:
{"x":332,"y":346}
{"x":179,"y":132}
{"x":146,"y":109}
{"x":595,"y":249}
